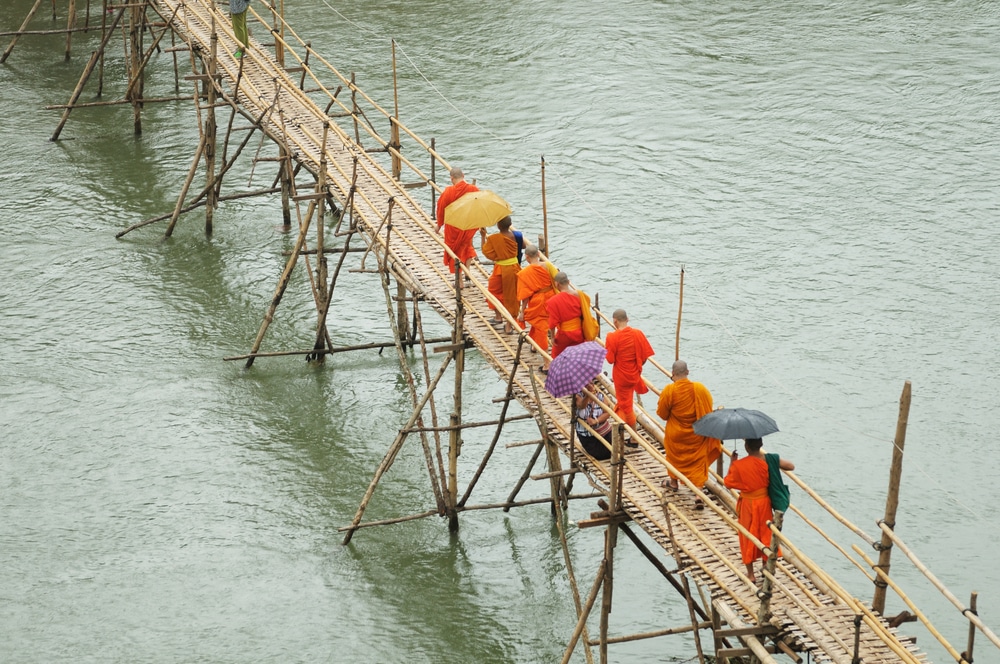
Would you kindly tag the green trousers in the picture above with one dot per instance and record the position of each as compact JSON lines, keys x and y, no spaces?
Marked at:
{"x":240,"y":28}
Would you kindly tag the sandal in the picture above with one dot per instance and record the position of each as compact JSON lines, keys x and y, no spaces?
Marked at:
{"x":670,"y":484}
{"x":699,"y":504}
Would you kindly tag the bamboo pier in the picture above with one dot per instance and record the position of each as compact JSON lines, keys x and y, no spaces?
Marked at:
{"x":324,"y":128}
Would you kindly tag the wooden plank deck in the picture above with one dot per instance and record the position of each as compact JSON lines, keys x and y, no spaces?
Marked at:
{"x":813,"y":618}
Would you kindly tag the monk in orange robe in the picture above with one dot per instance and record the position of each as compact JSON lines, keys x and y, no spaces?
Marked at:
{"x":456,"y":239}
{"x":751,"y":477}
{"x":627,"y":350}
{"x":565,"y":315}
{"x":501,"y":248}
{"x":681,"y":403}
{"x":534,"y":288}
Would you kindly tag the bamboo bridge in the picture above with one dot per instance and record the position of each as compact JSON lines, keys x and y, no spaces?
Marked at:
{"x":320,"y":122}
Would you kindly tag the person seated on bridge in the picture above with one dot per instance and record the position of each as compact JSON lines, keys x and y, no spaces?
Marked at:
{"x":751,"y":477}
{"x":682,"y":402}
{"x":534,"y":288}
{"x":565,"y":315}
{"x":627,"y":350}
{"x":238,"y":10}
{"x":591,"y":411}
{"x":456,"y":239}
{"x":502,"y":248}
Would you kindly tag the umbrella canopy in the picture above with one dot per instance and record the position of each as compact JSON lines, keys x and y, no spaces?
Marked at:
{"x":476,"y":209}
{"x":733,"y":423}
{"x":574,"y":368}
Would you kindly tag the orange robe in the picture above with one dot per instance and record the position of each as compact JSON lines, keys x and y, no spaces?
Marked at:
{"x":534,"y":283}
{"x":456,"y":239}
{"x":681,"y":403}
{"x":627,"y":350}
{"x":751,"y":477}
{"x":502,"y":250}
{"x":566,"y":316}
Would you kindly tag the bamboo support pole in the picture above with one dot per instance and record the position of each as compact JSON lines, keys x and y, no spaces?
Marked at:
{"x":501,"y":420}
{"x":970,"y":644}
{"x":70,"y":24}
{"x":680,"y":311}
{"x":88,"y":70}
{"x":752,"y":642}
{"x":20,"y":31}
{"x":913,"y":607}
{"x":689,"y":599}
{"x":455,"y":436}
{"x":892,"y":497}
{"x":545,"y":213}
{"x":211,"y":132}
{"x":966,"y":611}
{"x":390,"y":455}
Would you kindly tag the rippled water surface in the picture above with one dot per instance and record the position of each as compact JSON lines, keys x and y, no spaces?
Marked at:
{"x":825,"y":173}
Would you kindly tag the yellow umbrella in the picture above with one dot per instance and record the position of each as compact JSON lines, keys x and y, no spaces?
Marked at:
{"x":476,"y":209}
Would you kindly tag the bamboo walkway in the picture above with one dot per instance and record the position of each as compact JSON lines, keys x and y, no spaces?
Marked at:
{"x":811,"y":613}
{"x":806,"y":610}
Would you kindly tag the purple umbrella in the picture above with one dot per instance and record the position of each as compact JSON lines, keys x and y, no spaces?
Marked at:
{"x":574,"y":368}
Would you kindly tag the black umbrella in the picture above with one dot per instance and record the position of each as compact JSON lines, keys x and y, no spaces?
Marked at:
{"x":733,"y":423}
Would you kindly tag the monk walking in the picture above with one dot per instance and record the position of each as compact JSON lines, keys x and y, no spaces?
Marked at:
{"x":565,"y":315}
{"x":681,"y":403}
{"x":534,"y":288}
{"x":751,"y":477}
{"x":627,"y":350}
{"x":502,"y":248}
{"x":456,"y":239}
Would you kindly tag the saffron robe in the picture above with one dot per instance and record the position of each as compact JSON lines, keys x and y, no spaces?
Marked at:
{"x":566,"y":317}
{"x":627,"y":350}
{"x":534,"y":284}
{"x":502,"y":250}
{"x":750,"y":476}
{"x":456,"y":239}
{"x":681,"y":403}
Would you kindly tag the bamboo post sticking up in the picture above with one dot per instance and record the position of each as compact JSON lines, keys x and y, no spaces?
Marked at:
{"x":70,"y":24}
{"x":394,"y":144}
{"x":455,"y":435}
{"x":680,"y":310}
{"x":17,"y":35}
{"x":137,"y":20}
{"x":211,"y":131}
{"x":545,"y":214}
{"x":892,"y":499}
{"x":967,"y":655}
{"x":764,"y":611}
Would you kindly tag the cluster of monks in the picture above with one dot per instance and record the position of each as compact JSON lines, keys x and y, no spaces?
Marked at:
{"x":540,"y":297}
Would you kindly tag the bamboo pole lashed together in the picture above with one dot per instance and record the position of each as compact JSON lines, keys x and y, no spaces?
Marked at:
{"x":892,"y":498}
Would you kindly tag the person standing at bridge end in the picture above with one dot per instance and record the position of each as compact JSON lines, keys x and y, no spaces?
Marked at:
{"x":681,"y":403}
{"x":627,"y":350}
{"x":456,"y":239}
{"x":751,"y":476}
{"x":238,"y":11}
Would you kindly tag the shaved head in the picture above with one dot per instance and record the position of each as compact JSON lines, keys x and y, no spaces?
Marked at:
{"x":531,"y":251}
{"x":620,"y":315}
{"x":680,"y":368}
{"x":561,"y":277}
{"x":456,"y":173}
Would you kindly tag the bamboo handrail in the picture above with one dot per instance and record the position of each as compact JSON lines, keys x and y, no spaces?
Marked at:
{"x":966,"y":611}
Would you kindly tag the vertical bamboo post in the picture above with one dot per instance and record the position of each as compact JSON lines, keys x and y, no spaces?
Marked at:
{"x":136,"y":29}
{"x":104,"y":28}
{"x":211,"y":131}
{"x":680,"y":310}
{"x":321,"y":263}
{"x":397,"y":163}
{"x":70,"y":24}
{"x":967,"y":655}
{"x":455,"y":434}
{"x":24,"y":26}
{"x":286,"y":187}
{"x":764,"y":610}
{"x":354,"y":110}
{"x":892,"y":499}
{"x":545,"y":214}
{"x":433,"y":179}
{"x":611,"y":537}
